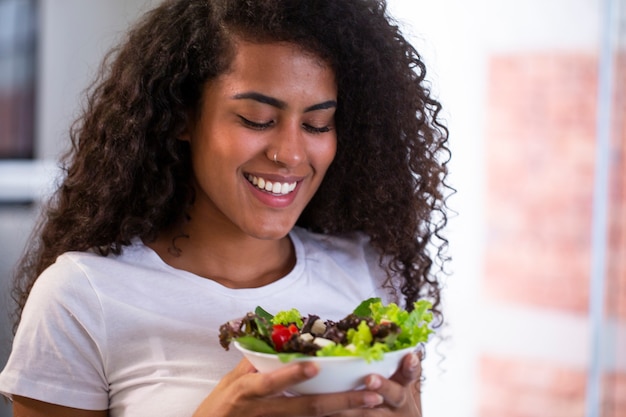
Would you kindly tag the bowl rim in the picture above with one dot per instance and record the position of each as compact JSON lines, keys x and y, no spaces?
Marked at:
{"x":402,"y":351}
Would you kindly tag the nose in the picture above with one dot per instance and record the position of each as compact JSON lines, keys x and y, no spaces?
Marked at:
{"x":288,"y":147}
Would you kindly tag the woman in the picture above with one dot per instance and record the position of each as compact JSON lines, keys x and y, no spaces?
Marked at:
{"x":233,"y":153}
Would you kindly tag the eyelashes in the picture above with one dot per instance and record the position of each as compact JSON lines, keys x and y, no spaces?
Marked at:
{"x":266,"y":125}
{"x":255,"y":125}
{"x":313,"y":129}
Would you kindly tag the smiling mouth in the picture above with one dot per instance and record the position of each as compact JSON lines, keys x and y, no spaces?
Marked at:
{"x":279,"y":188}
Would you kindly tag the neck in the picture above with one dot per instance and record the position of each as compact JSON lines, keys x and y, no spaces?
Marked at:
{"x":233,"y":260}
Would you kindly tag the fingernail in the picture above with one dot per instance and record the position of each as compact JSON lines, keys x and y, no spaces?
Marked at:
{"x":372,"y":399}
{"x":373,"y":382}
{"x":414,"y":362}
{"x":310,"y":369}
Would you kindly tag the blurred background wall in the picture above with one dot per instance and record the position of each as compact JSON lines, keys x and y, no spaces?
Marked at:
{"x":521,"y":85}
{"x":71,"y":38}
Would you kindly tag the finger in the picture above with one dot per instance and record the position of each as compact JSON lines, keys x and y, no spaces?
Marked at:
{"x":275,"y":382}
{"x":243,"y":367}
{"x":393,"y":393}
{"x":339,"y":404}
{"x":409,"y":371}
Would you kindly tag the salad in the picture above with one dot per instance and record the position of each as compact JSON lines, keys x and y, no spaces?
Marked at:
{"x":368,"y":332}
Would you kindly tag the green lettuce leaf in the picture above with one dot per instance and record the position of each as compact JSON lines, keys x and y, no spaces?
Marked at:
{"x":259,"y":311}
{"x":257,"y":345}
{"x":363,"y":309}
{"x":362,"y":336}
{"x":288,"y":316}
{"x":414,"y":325}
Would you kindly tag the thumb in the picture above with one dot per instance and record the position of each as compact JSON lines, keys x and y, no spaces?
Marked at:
{"x":409,"y":371}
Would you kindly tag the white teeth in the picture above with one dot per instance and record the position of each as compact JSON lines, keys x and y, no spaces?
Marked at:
{"x":272,"y":187}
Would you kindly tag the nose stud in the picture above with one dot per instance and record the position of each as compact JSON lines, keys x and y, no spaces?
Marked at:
{"x":275,"y":156}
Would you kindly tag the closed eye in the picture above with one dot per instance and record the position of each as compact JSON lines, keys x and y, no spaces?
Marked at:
{"x":256,"y":125}
{"x":313,"y":129}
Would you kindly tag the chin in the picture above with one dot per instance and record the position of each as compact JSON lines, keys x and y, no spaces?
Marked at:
{"x":273,"y":235}
{"x":271,"y":231}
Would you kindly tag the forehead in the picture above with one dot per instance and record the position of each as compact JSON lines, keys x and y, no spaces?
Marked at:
{"x":283,"y":50}
{"x":278,"y":65}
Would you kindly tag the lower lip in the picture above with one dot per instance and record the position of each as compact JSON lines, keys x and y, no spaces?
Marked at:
{"x":274,"y":200}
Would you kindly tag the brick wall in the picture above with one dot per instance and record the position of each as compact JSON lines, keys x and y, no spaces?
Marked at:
{"x":517,"y":387}
{"x":540,"y":144}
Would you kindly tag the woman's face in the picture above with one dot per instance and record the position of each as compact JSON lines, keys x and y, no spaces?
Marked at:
{"x":275,"y":100}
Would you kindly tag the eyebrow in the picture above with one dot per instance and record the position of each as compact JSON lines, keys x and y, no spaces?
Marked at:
{"x":274,"y":102}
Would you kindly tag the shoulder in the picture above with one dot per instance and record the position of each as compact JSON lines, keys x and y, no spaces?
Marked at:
{"x":64,"y":274}
{"x":63,"y":287}
{"x":75,"y":277}
{"x":80,"y":268}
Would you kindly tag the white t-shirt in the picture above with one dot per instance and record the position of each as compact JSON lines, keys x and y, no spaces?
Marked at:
{"x":131,"y":334}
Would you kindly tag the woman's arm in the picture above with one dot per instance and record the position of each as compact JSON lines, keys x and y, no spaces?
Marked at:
{"x":27,"y":407}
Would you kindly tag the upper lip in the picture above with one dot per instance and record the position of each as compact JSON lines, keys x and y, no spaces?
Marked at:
{"x":276,"y":178}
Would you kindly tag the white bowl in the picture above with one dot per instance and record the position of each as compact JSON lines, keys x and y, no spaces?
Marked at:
{"x":336,"y":373}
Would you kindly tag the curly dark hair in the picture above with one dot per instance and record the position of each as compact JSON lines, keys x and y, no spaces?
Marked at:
{"x":128,"y":176}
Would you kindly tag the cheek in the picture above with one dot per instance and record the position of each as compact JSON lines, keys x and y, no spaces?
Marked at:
{"x":221,"y":145}
{"x":325,"y":153}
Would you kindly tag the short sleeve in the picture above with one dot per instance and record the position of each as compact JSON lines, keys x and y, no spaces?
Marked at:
{"x":57,"y":354}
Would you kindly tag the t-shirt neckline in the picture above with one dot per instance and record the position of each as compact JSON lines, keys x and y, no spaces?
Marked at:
{"x":150,"y":257}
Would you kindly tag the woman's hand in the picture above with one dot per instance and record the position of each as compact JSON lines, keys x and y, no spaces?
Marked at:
{"x":401,"y":392}
{"x":244,"y":392}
